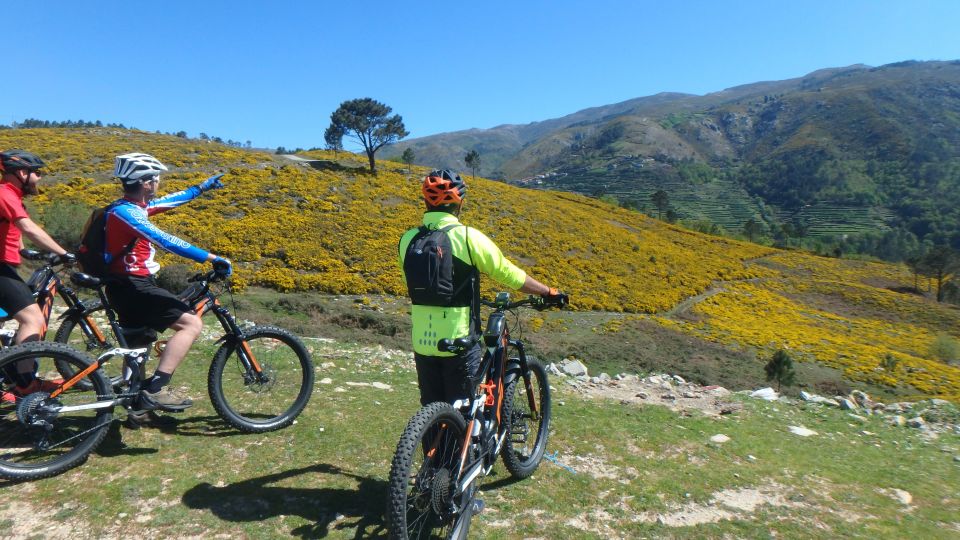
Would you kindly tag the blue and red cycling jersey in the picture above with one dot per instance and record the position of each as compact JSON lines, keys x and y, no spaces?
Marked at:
{"x":128,"y":221}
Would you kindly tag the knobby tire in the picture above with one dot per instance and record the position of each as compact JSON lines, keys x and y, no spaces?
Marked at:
{"x":520,"y":455}
{"x":254,"y":406}
{"x":32,"y":452}
{"x":421,"y":480}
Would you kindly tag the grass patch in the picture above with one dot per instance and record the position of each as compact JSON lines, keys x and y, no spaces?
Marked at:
{"x":325,"y":476}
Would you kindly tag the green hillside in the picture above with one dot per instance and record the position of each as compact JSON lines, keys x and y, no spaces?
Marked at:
{"x":882,"y":143}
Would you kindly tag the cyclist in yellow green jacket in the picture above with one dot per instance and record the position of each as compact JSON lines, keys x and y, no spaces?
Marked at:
{"x":441,"y":262}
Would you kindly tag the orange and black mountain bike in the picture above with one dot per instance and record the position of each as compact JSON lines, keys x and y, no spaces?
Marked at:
{"x":447,"y":448}
{"x":260,"y":380}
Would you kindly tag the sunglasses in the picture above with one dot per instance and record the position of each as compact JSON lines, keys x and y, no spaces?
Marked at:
{"x":151,"y":180}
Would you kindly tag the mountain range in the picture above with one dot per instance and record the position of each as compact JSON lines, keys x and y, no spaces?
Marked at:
{"x":839,"y":154}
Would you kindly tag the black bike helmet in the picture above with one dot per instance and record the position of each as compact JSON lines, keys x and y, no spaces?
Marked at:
{"x":443,"y":187}
{"x":13,"y":160}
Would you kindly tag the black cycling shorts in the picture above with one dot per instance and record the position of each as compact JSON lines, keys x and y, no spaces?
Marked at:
{"x":14,"y":293}
{"x":139,"y":302}
{"x":448,"y":378}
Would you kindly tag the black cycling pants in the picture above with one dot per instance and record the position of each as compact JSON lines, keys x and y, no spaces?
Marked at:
{"x":448,"y":378}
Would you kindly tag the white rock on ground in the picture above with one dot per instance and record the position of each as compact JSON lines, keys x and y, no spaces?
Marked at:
{"x":767,"y":393}
{"x":719,"y":438}
{"x":802,"y":431}
{"x":574,"y":368}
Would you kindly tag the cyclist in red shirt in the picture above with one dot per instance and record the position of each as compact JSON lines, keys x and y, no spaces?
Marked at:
{"x":20,"y":175}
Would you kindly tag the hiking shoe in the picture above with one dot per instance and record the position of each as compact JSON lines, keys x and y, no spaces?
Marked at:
{"x":138,"y":419}
{"x":36,"y":385}
{"x":164,"y":400}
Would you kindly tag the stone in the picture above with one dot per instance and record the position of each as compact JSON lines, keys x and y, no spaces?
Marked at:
{"x":574,"y":368}
{"x":604,"y":377}
{"x":898,"y":421}
{"x":751,"y":458}
{"x":679,"y":379}
{"x":595,"y":380}
{"x":717,"y":391}
{"x":642,"y":395}
{"x":916,"y":422}
{"x":325,"y":380}
{"x":861,"y":398}
{"x":668,"y":397}
{"x":806,"y":396}
{"x":689,"y":395}
{"x":719,"y":438}
{"x":857,"y":417}
{"x":893,"y":408}
{"x":654,"y":379}
{"x":848,"y":405}
{"x":901,"y":496}
{"x":382,"y":386}
{"x":802,"y":431}
{"x":767,"y":393}
{"x":730,"y":408}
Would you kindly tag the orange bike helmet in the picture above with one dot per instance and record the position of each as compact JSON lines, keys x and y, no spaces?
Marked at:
{"x":443,"y":187}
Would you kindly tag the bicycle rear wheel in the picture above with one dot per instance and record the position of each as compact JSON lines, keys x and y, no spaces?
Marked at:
{"x":526,"y":415}
{"x":265,"y":400}
{"x":82,"y":338}
{"x":422,"y":499}
{"x":38,"y":438}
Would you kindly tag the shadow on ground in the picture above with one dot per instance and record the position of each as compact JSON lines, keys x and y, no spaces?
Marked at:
{"x":359,"y":509}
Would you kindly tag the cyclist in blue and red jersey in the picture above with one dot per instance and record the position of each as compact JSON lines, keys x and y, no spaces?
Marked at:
{"x":131,"y":286}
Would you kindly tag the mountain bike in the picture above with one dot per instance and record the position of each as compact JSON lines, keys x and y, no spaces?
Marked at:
{"x":260,"y":380}
{"x":47,"y":286}
{"x":447,"y":448}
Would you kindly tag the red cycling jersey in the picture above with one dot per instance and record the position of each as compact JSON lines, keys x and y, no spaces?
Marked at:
{"x":11,"y":209}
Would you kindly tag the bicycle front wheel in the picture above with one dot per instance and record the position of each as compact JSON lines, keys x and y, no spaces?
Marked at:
{"x":41,"y":435}
{"x":422,"y":499}
{"x":263,"y":382}
{"x":526,"y":412}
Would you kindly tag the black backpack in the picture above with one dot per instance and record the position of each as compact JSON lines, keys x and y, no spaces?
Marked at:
{"x":434,"y":276}
{"x":90,"y":253}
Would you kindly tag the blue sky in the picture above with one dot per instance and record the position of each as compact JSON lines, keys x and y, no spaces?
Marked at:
{"x":272,"y":72}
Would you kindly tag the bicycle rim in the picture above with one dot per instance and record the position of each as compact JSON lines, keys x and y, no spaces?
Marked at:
{"x":270,"y":399}
{"x":422,"y":498}
{"x":36,"y":438}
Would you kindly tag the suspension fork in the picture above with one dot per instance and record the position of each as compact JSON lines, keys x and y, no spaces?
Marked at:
{"x":235,"y":334}
{"x":527,"y":379}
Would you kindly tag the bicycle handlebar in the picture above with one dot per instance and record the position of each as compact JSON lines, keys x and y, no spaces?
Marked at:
{"x":47,"y":257}
{"x":502,"y":302}
{"x":211,"y":276}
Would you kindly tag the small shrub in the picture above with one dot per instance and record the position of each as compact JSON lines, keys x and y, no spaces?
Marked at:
{"x":945,"y":348}
{"x":780,"y":369}
{"x":889,"y":363}
{"x":64,"y":222}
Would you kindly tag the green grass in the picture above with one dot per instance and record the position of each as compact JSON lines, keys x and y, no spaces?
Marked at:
{"x":325,"y":476}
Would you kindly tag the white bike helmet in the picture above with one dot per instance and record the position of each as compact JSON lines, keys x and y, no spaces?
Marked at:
{"x":130,"y":168}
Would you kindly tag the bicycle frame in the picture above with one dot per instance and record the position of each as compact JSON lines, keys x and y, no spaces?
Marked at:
{"x":200,"y":298}
{"x":487,"y":404}
{"x":47,"y":286}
